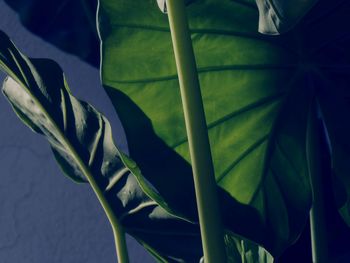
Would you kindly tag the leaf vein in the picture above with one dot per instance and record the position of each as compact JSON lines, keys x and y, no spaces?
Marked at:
{"x":208,"y":70}
{"x":237,"y":112}
{"x":248,"y":151}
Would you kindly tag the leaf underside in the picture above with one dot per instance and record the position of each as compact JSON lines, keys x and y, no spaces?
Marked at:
{"x":257,"y":91}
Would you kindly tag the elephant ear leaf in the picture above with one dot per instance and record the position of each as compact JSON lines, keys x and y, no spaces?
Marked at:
{"x":278,"y":16}
{"x":69,"y":25}
{"x":249,"y":84}
{"x":81,"y":140}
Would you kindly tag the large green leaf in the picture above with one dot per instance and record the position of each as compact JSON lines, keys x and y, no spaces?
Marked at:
{"x":69,"y":25}
{"x":257,"y":91}
{"x":81,"y":140}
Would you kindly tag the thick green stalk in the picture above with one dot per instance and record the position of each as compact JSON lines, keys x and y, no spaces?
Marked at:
{"x":317,"y":213}
{"x":202,"y":165}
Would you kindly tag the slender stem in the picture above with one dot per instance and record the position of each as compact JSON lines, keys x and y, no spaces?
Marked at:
{"x":118,"y":230}
{"x":203,"y":172}
{"x":120,"y":244}
{"x":317,"y":213}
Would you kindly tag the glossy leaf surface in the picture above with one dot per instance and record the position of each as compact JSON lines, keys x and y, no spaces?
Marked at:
{"x":257,"y":92}
{"x":69,"y":25}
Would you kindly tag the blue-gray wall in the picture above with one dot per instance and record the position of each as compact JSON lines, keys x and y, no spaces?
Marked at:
{"x":44,"y":217}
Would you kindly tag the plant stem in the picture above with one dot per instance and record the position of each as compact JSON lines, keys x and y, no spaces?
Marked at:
{"x":120,"y":244}
{"x":317,"y":213}
{"x":202,"y":165}
{"x":118,"y":230}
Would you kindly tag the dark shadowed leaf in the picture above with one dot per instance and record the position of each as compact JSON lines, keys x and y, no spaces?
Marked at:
{"x":257,"y":91}
{"x":327,"y":40}
{"x":69,"y":25}
{"x":335,"y":107}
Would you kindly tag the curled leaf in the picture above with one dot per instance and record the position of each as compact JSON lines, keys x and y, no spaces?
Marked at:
{"x":279,"y":16}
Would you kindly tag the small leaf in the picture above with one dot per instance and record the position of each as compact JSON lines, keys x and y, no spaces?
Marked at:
{"x":162,"y":4}
{"x":249,"y":252}
{"x":279,"y":16}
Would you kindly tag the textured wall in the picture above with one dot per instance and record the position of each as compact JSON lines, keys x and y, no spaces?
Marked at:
{"x":44,"y":217}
